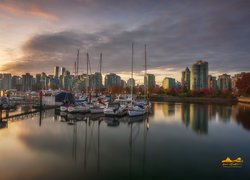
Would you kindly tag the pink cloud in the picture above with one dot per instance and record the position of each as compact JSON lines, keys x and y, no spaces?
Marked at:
{"x":28,"y":10}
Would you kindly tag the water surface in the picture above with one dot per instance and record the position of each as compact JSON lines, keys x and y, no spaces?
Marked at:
{"x":176,"y":141}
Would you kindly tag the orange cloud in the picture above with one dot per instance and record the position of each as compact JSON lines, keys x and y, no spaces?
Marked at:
{"x":30,"y":10}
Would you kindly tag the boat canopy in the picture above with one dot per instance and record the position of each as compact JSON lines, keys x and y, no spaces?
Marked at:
{"x":65,"y":97}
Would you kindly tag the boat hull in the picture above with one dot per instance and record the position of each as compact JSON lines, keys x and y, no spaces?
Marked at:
{"x":63,"y":108}
{"x":111,"y":112}
{"x":96,"y":110}
{"x":132,"y":113}
{"x":78,"y":109}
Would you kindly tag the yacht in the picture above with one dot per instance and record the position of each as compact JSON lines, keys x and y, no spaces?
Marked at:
{"x":115,"y":109}
{"x":79,"y":108}
{"x":98,"y":107}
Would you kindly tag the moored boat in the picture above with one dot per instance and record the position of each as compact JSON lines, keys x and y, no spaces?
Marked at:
{"x":115,"y":109}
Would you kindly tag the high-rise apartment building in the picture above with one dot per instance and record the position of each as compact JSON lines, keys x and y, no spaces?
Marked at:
{"x":199,"y":75}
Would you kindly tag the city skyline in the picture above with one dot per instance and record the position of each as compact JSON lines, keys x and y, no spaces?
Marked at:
{"x":48,"y":33}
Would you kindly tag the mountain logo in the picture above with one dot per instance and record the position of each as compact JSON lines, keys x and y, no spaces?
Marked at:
{"x":230,"y":163}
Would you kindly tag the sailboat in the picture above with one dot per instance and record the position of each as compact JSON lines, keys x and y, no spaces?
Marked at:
{"x":98,"y":105}
{"x":135,"y":109}
{"x":79,"y":106}
{"x":145,"y":102}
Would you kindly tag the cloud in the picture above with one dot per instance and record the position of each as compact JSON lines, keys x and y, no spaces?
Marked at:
{"x":177,"y":35}
{"x":25,"y":9}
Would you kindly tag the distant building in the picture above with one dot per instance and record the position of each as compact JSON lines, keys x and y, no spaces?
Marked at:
{"x":178,"y":85}
{"x":56,"y":71}
{"x":6,"y":81}
{"x":38,"y":78}
{"x":149,"y":80}
{"x":16,"y":83}
{"x":95,"y":81}
{"x":168,"y":83}
{"x":27,"y":82}
{"x":112,"y":79}
{"x":131,"y":82}
{"x":123,"y":84}
{"x":185,"y":78}
{"x":212,"y":82}
{"x":224,"y":82}
{"x":67,"y":82}
{"x":62,"y":71}
{"x":199,"y":75}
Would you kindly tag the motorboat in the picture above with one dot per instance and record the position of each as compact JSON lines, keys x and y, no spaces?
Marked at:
{"x":115,"y":109}
{"x":98,"y":107}
{"x":63,"y":108}
{"x":137,"y":110}
{"x":79,"y":108}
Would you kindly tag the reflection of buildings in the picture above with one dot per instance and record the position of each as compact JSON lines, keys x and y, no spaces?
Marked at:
{"x":168,"y":109}
{"x":211,"y":111}
{"x":242,"y":116}
{"x":199,"y":118}
{"x":198,"y":115}
{"x":224,"y":112}
{"x":195,"y":115}
{"x":185,"y":107}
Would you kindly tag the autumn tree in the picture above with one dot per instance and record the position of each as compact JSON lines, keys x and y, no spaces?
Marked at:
{"x":243,"y":84}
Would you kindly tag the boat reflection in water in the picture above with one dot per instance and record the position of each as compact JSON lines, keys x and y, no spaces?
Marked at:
{"x":160,"y":145}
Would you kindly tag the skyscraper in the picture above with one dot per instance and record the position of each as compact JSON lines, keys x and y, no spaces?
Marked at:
{"x":16,"y":83}
{"x":62,"y":71}
{"x":6,"y":81}
{"x":185,"y":78}
{"x":27,"y":82}
{"x":168,"y":83}
{"x":199,"y":75}
{"x":149,"y":80}
{"x":112,"y":79}
{"x":224,"y":82}
{"x":95,"y":81}
{"x":212,"y":82}
{"x":131,"y":81}
{"x":56,"y":72}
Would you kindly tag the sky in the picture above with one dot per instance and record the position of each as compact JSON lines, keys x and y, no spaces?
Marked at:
{"x":37,"y":35}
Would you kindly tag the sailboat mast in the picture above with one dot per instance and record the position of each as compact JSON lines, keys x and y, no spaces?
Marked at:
{"x":132,"y":72}
{"x":87,"y":79}
{"x":145,"y":72}
{"x":146,"y":88}
{"x":145,"y":47}
{"x":77,"y":62}
{"x":100,"y":73}
{"x":87,"y":63}
{"x":101,"y":63}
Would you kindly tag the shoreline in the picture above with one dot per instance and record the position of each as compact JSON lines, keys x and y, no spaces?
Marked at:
{"x":200,"y":99}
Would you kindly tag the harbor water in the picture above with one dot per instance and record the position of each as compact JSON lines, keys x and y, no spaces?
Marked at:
{"x":176,"y":141}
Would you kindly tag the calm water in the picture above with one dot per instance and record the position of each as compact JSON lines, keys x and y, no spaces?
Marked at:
{"x":176,"y":141}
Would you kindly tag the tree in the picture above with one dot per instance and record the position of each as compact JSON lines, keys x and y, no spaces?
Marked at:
{"x":243,"y":84}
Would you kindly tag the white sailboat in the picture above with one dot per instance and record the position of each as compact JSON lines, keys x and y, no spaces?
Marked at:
{"x":145,"y":102}
{"x":115,"y":109}
{"x":99,"y":105}
{"x":135,"y":110}
{"x":79,"y":108}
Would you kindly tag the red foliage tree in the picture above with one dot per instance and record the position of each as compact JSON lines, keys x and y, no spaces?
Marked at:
{"x":243,"y":84}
